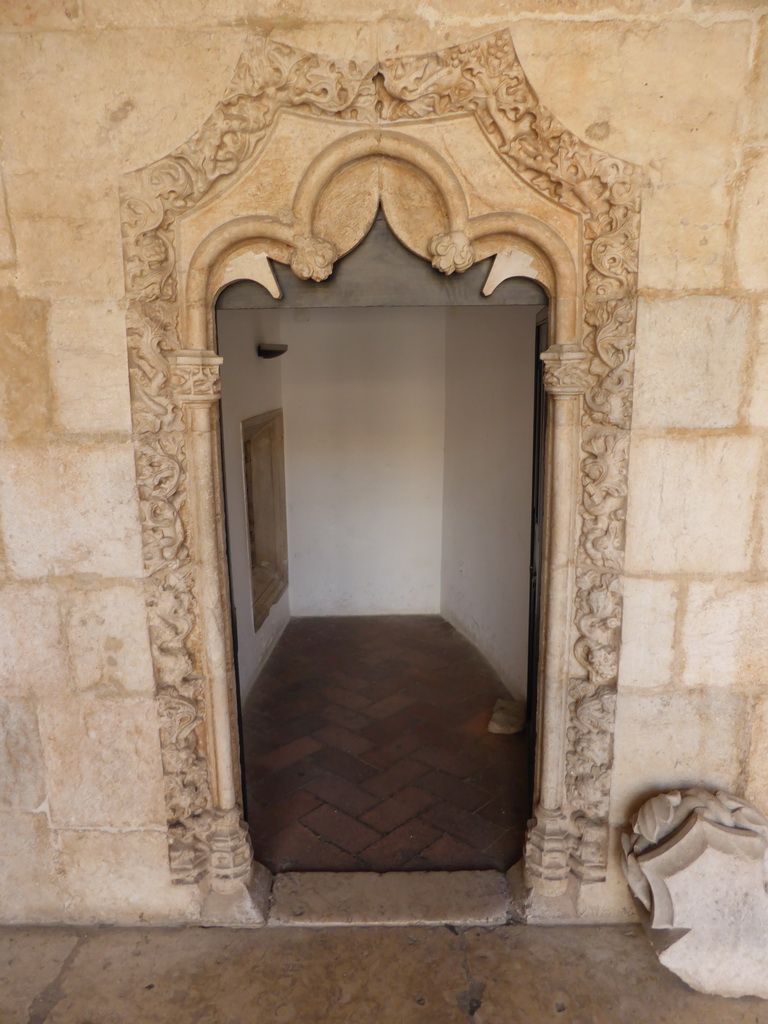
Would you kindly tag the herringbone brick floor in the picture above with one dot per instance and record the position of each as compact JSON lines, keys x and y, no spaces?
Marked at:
{"x":366,"y":749}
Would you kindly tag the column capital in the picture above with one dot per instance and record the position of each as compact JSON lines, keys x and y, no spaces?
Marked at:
{"x":566,"y":370}
{"x":195,"y":375}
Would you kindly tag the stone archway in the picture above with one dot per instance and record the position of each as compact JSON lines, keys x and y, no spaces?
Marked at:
{"x":467,"y":164}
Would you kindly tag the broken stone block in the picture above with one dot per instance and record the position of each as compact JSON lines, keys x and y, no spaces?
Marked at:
{"x":697,"y":864}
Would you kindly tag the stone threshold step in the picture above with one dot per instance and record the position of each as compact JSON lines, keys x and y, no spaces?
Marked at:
{"x":325,"y":899}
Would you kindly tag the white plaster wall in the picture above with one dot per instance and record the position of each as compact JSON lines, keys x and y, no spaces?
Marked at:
{"x":249,"y":386}
{"x":490,"y":360}
{"x":364,"y":398}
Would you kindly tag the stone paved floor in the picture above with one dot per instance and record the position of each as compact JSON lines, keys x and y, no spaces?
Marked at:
{"x":505,"y":975}
{"x":367,"y":749}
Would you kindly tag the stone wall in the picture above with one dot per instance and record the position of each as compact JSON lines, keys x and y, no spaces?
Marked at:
{"x":93,"y":89}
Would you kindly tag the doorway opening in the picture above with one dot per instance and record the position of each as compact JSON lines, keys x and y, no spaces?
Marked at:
{"x":413,"y":416}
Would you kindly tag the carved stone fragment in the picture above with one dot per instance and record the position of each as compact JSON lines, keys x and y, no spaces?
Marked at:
{"x":697,"y":862}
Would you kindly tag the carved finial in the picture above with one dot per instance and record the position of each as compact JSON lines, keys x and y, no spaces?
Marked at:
{"x":451,"y":252}
{"x":313,"y":258}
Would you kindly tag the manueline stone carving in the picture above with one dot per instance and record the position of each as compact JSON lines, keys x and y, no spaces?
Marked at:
{"x":483,"y":79}
{"x":697,"y":862}
{"x":451,"y":253}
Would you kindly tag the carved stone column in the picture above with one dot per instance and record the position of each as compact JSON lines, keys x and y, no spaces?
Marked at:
{"x":196,"y":386}
{"x":550,"y":838}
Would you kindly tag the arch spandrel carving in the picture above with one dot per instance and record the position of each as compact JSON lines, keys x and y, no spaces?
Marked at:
{"x":169,"y":320}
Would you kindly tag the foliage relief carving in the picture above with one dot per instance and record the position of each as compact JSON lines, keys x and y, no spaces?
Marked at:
{"x":485,"y":79}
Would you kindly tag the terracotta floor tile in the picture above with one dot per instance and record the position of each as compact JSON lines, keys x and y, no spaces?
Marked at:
{"x":470,"y":828}
{"x":342,"y":794}
{"x":338,"y":762}
{"x":395,"y":778}
{"x":345,"y":717}
{"x":289,"y":754}
{"x":334,"y":825}
{"x":341,"y":738}
{"x":366,"y":748}
{"x":391,"y":813}
{"x":392,"y":851}
{"x":453,"y":855}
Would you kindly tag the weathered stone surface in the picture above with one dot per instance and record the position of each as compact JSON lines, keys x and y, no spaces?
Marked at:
{"x":647,"y":642}
{"x":169,"y":81}
{"x":758,"y":407}
{"x":31,"y":661}
{"x":417,"y":898}
{"x":89,"y":368}
{"x":22,"y":16}
{"x":126,"y":870}
{"x":30,"y":960}
{"x":354,"y":976}
{"x":685,"y":235}
{"x":7,"y":244}
{"x":29,"y":869}
{"x":92,"y":90}
{"x":696,"y":863}
{"x":21,"y":767}
{"x":756,"y":785}
{"x":690,"y":503}
{"x":725,"y":635}
{"x":80,"y":512}
{"x":752,"y":223}
{"x":25,"y":390}
{"x":109,"y":642}
{"x":103,"y":762}
{"x":691,"y":362}
{"x":666,"y":741}
{"x":586,"y":976}
{"x":287,"y":974}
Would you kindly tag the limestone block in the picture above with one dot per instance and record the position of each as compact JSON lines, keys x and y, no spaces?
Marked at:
{"x":169,"y":80}
{"x":25,"y":390}
{"x":23,"y":16}
{"x":758,"y":125}
{"x":756,"y":788}
{"x":691,"y":503}
{"x":696,"y":862}
{"x":690,"y":362}
{"x":103,"y":762}
{"x":725,"y":635}
{"x":21,"y":765}
{"x":752,"y":223}
{"x":322,"y":898}
{"x":666,"y":741}
{"x":70,"y":508}
{"x":89,"y":366}
{"x":758,"y":407}
{"x":648,"y":633}
{"x":7,"y":245}
{"x":29,"y":881}
{"x":108,"y":641}
{"x":629,"y":86}
{"x":125,"y":871}
{"x":57,"y":256}
{"x":684,"y":236}
{"x":32,"y":651}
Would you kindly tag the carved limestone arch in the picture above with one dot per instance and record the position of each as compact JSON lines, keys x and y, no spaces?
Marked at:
{"x":253,"y":185}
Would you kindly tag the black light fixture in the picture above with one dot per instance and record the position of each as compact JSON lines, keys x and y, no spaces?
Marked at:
{"x":264,"y":351}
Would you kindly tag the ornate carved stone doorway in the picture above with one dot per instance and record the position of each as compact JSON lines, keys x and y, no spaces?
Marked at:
{"x":291,"y":166}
